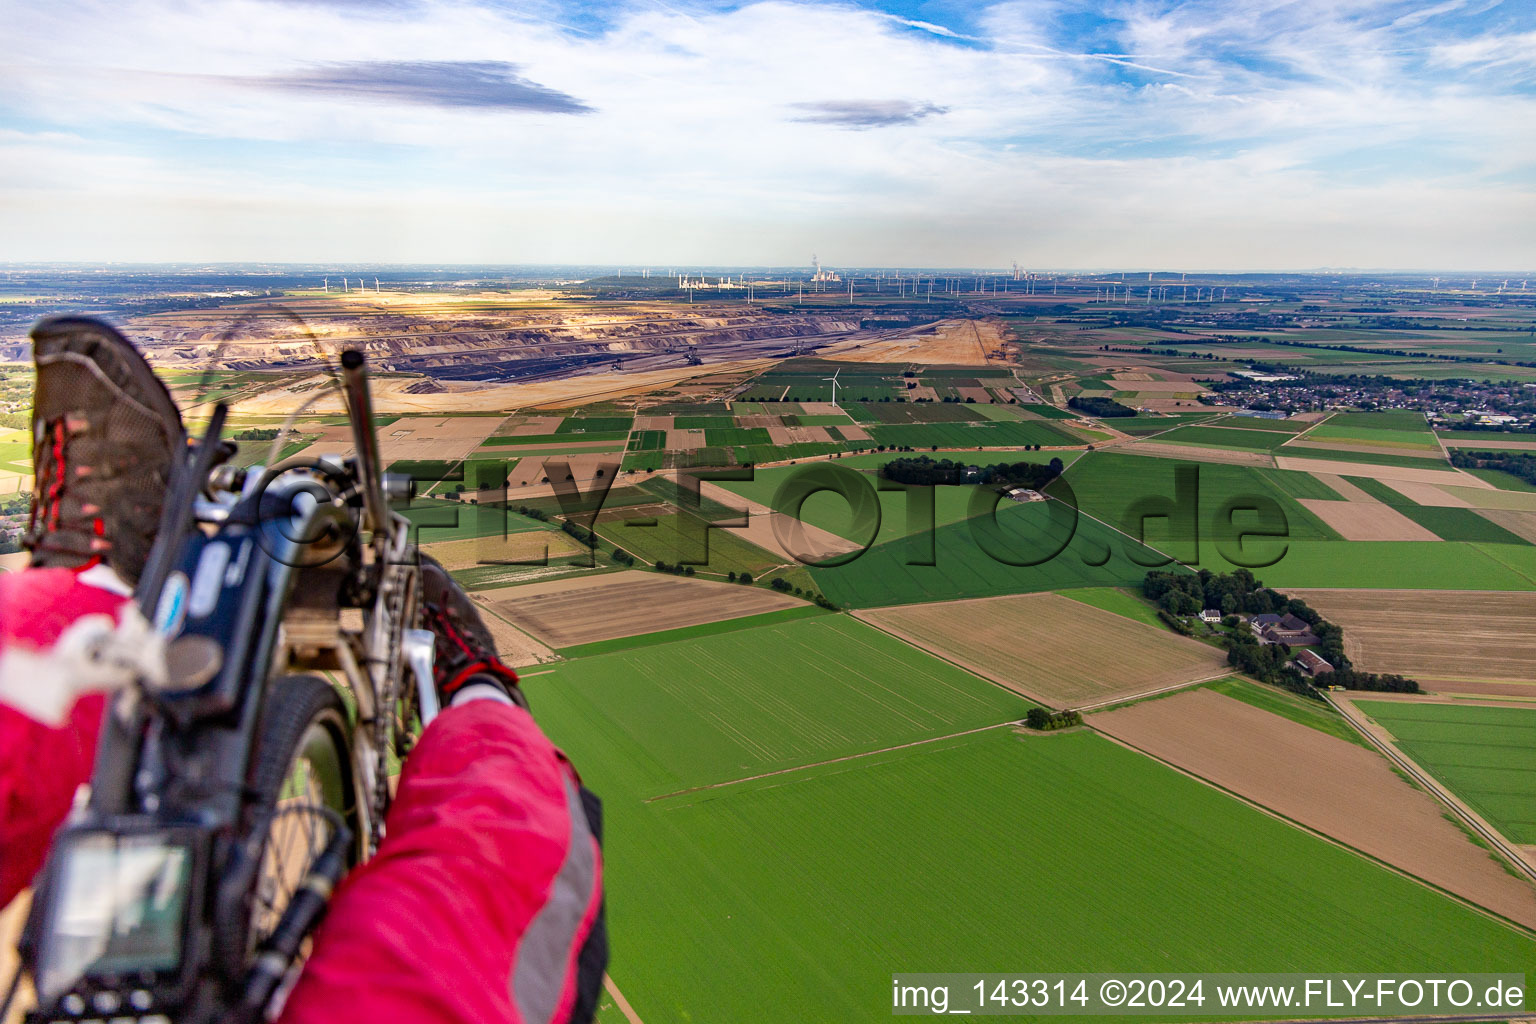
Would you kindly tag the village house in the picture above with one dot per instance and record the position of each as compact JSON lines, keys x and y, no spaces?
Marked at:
{"x":1311,"y":664}
{"x":1283,"y":629}
{"x":1211,"y":616}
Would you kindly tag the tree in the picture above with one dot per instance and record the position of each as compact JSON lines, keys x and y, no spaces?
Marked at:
{"x":744,"y":578}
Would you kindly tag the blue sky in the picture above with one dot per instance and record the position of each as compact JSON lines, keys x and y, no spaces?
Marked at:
{"x":1254,"y":134}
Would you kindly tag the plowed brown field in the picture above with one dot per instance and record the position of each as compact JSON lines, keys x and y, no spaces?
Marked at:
{"x":1050,"y":648}
{"x":1322,"y":782}
{"x":563,"y":613}
{"x":1430,"y":634}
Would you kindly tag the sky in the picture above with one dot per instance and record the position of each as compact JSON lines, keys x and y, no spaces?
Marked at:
{"x":1196,"y":135}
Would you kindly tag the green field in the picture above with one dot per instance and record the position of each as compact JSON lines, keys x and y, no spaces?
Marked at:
{"x":1459,"y":524}
{"x":976,"y":434}
{"x":1110,"y":485}
{"x":1388,"y":564}
{"x":1226,"y":437}
{"x":1121,"y":602}
{"x":1300,"y":485}
{"x":717,"y":708}
{"x":1260,"y":423}
{"x":439,"y":520}
{"x":1050,"y":412}
{"x":1485,"y":755}
{"x":685,"y":633}
{"x":800,"y":892}
{"x":1370,"y":458}
{"x":1501,"y":479}
{"x":1058,"y":555}
{"x":681,"y":537}
{"x":555,"y":440}
{"x":1397,"y":429}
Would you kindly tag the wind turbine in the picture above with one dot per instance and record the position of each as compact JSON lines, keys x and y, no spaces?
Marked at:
{"x":833,"y":379}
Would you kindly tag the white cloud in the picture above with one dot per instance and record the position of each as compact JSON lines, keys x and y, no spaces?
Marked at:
{"x":178,"y":131}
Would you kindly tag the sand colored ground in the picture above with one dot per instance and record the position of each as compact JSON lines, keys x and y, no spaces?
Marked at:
{"x":684,"y":440}
{"x":392,"y":394}
{"x":823,"y":409}
{"x":513,"y":646}
{"x":948,"y":342}
{"x":448,"y":438}
{"x":1521,"y":524}
{"x":1050,"y":648}
{"x":535,"y":425}
{"x":777,"y":533}
{"x":515,"y":547}
{"x":14,"y":483}
{"x":1490,"y":497}
{"x":1426,"y":494}
{"x":853,"y":432}
{"x":1431,"y":634}
{"x":979,"y":395}
{"x":645,"y":422}
{"x":15,"y":561}
{"x":1165,"y":404}
{"x":1324,"y":783}
{"x":1367,"y":520}
{"x":1373,"y":472}
{"x":1195,"y":453}
{"x":1345,"y":489}
{"x":579,"y":611}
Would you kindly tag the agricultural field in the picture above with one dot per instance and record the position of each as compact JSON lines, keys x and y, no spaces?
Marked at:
{"x":1369,"y":521}
{"x":1388,"y":431}
{"x":1110,"y":485}
{"x":677,"y":537}
{"x":1486,"y":755}
{"x":1429,"y":635}
{"x":1225,"y":437}
{"x":977,"y":434}
{"x":1260,"y":423}
{"x":581,"y":611}
{"x":1308,"y":711}
{"x":1328,"y":459}
{"x":1347,"y":792}
{"x":1053,"y":650}
{"x":1119,"y":601}
{"x":438,"y":521}
{"x":699,"y":712}
{"x":1129,"y":866}
{"x":1045,"y":547}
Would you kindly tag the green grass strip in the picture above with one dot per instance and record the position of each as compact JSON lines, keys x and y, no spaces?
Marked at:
{"x":1311,"y":713}
{"x":667,"y":636}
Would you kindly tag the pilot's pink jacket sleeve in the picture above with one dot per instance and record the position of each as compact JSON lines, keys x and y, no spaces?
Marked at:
{"x":41,"y":766}
{"x":485,"y":900}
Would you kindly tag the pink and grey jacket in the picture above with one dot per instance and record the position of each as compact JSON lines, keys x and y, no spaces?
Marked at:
{"x":484,"y":902}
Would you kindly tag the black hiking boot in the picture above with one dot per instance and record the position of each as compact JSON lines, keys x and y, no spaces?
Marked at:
{"x":466,"y":652}
{"x":104,"y":433}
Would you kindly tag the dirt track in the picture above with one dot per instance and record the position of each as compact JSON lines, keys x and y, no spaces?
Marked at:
{"x":1334,"y":787}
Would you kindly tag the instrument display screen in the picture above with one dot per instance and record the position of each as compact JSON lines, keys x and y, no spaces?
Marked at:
{"x":119,"y":908}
